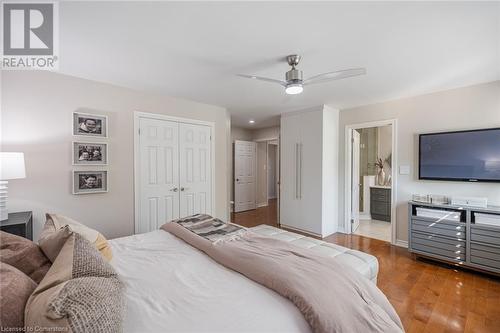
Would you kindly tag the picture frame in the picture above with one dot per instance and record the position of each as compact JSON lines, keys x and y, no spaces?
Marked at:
{"x":89,"y":153}
{"x":90,"y":182}
{"x":90,"y":125}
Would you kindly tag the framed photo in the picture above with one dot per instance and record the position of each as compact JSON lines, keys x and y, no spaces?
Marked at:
{"x":90,"y":182}
{"x":86,"y":124}
{"x":90,"y":153}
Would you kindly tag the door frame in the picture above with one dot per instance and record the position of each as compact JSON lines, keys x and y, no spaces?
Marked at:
{"x":137,"y":116}
{"x":278,"y":162}
{"x":348,"y":174}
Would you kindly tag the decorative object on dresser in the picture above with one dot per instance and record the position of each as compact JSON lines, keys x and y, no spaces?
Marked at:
{"x":470,"y":201}
{"x":20,"y":224}
{"x":464,"y":236}
{"x":380,"y":173}
{"x":11,"y":167}
{"x":380,"y":203}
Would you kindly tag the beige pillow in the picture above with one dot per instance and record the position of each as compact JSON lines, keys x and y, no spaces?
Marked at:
{"x":80,"y":293}
{"x":54,"y":222}
{"x":24,"y":255}
{"x":15,"y":289}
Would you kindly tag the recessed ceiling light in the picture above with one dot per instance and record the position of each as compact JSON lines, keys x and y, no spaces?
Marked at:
{"x":251,"y":121}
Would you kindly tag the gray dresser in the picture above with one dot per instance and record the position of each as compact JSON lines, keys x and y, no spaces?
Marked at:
{"x":380,"y":203}
{"x":455,"y":239}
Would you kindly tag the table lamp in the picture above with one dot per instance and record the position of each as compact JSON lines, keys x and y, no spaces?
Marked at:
{"x":11,"y":167}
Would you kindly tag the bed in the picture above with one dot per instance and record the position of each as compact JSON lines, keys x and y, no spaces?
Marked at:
{"x":171,"y":286}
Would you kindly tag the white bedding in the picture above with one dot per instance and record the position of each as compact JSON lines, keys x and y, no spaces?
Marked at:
{"x":172,"y":287}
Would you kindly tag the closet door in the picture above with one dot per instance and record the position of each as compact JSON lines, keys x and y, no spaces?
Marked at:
{"x":195,"y":169}
{"x":158,"y":172}
{"x":290,"y":203}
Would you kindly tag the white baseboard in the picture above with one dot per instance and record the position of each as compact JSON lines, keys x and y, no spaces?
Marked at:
{"x":262,"y":204}
{"x":301,"y":230}
{"x":365,"y":217}
{"x":401,"y":243}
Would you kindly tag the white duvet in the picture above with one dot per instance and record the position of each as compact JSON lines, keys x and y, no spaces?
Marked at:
{"x":172,"y":287}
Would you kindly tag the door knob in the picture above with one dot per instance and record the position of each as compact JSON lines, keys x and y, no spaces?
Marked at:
{"x":182,"y":189}
{"x":175,"y":189}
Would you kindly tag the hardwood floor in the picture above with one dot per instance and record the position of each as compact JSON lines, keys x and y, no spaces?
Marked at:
{"x":428,"y":296}
{"x":263,"y":215}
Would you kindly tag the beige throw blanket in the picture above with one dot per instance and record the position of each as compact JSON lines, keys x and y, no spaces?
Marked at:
{"x":332,"y":297}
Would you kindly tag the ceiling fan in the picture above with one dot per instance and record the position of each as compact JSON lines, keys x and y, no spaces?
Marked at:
{"x":294,"y":83}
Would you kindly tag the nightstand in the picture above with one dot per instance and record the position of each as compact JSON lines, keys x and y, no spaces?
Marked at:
{"x":20,"y":224}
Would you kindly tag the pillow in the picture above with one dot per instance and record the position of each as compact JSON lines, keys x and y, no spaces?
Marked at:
{"x":55,"y":222}
{"x":80,"y":293}
{"x":24,"y":255}
{"x":15,"y":289}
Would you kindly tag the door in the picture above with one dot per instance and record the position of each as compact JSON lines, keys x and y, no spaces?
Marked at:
{"x":244,"y":175}
{"x":355,"y":181}
{"x":158,"y":173}
{"x":195,"y":169}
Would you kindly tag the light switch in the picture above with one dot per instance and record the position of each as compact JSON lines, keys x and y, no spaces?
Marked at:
{"x":404,"y":169}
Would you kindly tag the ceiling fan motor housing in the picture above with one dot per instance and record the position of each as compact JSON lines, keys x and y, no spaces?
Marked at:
{"x":294,"y":76}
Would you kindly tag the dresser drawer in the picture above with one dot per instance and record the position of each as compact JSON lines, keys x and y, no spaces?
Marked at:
{"x":381,"y":208}
{"x":454,"y":255}
{"x":485,"y":255}
{"x":443,"y":229}
{"x":439,"y":242}
{"x":380,"y":194}
{"x":488,"y":235}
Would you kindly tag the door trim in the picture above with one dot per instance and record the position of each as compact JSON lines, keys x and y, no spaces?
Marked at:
{"x":348,"y":175}
{"x":137,"y":116}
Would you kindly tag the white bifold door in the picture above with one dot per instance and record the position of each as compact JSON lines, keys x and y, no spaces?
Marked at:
{"x":174,"y":171}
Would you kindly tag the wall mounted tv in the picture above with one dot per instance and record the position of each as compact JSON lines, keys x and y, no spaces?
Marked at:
{"x":472,"y":156}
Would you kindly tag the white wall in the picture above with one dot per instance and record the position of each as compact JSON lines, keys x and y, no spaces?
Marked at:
{"x":464,"y":108}
{"x":36,"y":116}
{"x":384,"y":144}
{"x":239,"y":133}
{"x":266,"y":133}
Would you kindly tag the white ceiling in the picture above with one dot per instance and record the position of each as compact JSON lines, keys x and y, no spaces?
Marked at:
{"x":193,"y":50}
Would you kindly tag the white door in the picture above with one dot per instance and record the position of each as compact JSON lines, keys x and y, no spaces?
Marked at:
{"x":195,"y":169}
{"x":159,"y":173}
{"x":355,"y":181}
{"x":244,"y":175}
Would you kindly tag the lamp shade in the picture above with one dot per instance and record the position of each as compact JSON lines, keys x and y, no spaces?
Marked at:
{"x":12,"y":166}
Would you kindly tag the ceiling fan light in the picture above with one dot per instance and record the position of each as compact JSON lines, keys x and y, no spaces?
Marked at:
{"x":294,"y":89}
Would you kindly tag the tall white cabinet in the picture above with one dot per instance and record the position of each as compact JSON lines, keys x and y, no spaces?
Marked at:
{"x":309,"y":170}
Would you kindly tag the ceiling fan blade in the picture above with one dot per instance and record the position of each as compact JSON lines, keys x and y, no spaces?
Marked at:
{"x":266,"y":79}
{"x":337,"y":75}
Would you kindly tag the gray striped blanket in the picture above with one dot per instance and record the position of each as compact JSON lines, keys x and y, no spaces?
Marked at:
{"x":210,"y":228}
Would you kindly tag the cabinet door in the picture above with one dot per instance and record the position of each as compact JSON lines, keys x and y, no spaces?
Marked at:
{"x":158,"y":172}
{"x":311,"y":159}
{"x":289,"y":168}
{"x":195,"y":169}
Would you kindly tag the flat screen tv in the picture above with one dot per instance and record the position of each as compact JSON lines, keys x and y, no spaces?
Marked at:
{"x":472,"y":156}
